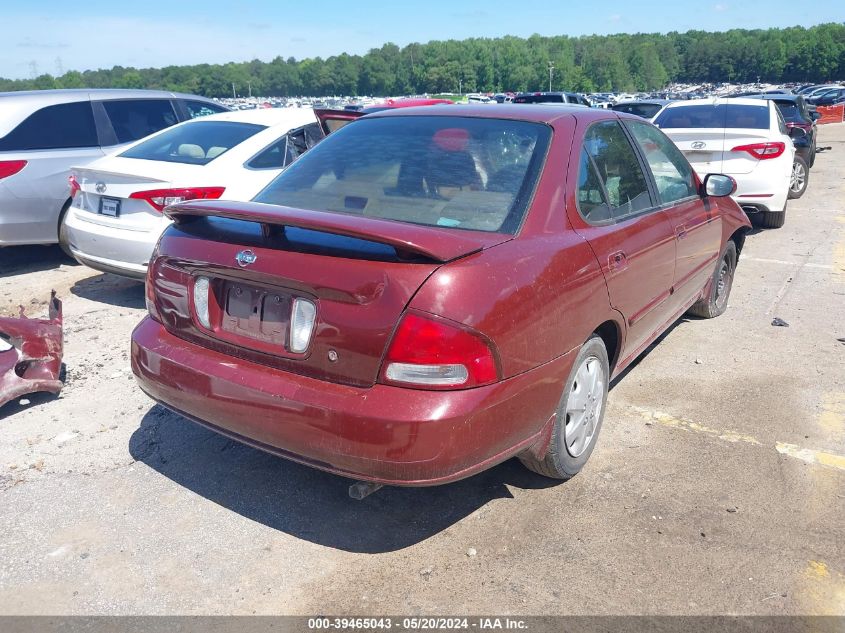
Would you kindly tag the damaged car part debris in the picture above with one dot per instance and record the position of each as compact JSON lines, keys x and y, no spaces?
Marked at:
{"x":31,"y":353}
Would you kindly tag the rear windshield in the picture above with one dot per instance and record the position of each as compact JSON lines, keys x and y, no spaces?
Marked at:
{"x":452,"y":172}
{"x":195,"y":143}
{"x":539,"y":99}
{"x":730,"y":115}
{"x":790,"y":111}
{"x":645,"y":110}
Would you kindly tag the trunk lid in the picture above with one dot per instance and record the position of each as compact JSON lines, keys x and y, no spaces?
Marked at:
{"x":333,"y":120}
{"x":360,"y":273}
{"x":709,"y":150}
{"x":106,"y":193}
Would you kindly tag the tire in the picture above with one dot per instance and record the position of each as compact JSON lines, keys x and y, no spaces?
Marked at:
{"x":773,"y":219}
{"x":64,"y":242}
{"x":799,"y":178}
{"x":716,"y":300}
{"x":570,"y":449}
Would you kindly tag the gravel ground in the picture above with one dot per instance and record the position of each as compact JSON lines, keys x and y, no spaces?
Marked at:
{"x":718,"y":485}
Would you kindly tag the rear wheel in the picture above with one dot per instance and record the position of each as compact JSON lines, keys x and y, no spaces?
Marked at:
{"x":64,"y":240}
{"x":579,"y":415}
{"x":799,"y":178}
{"x":715,"y":301}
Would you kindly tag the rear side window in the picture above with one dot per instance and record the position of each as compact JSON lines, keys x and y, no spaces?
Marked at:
{"x":136,"y":118}
{"x":60,"y":126}
{"x":453,"y":172}
{"x":288,"y":148}
{"x":201,"y":108}
{"x":195,"y":143}
{"x":730,"y":115}
{"x":617,"y":169}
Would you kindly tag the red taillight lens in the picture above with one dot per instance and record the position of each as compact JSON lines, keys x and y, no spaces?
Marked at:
{"x":10,"y":167}
{"x":160,"y":198}
{"x":74,"y":185}
{"x":762,"y":151}
{"x":149,"y":287}
{"x":432,"y":353}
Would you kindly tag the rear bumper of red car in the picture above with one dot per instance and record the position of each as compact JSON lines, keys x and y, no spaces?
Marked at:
{"x":381,"y":433}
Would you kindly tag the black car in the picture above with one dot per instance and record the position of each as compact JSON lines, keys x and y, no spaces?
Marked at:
{"x":645,"y":108}
{"x":831,"y":97}
{"x":551,"y":97}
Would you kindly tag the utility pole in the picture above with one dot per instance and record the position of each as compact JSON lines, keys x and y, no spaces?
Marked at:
{"x":249,"y":87}
{"x":234,"y":96}
{"x":551,"y":70}
{"x":461,"y":86}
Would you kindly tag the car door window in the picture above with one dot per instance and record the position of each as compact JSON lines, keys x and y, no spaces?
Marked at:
{"x":133,"y":119}
{"x":202,"y":108}
{"x":672,"y":172}
{"x":618,"y":169}
{"x":288,"y":148}
{"x":58,"y":126}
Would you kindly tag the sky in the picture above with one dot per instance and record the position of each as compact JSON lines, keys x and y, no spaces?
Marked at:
{"x":48,"y":36}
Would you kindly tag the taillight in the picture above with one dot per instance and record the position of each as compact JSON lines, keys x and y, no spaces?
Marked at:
{"x":10,"y":167}
{"x":432,"y":353}
{"x":160,"y":198}
{"x":74,"y":185}
{"x":303,"y":316}
{"x":762,"y":151}
{"x":149,"y":287}
{"x":201,"y":287}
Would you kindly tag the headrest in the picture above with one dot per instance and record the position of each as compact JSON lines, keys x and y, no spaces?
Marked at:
{"x":451,"y":139}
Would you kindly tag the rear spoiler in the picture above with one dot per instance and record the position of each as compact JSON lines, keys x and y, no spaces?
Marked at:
{"x":433,"y":242}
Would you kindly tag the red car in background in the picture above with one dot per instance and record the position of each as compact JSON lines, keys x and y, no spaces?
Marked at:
{"x":432,"y":291}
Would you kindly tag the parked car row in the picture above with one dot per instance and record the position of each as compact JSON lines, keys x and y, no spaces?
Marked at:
{"x":772,"y":140}
{"x":419,"y":293}
{"x":44,"y":133}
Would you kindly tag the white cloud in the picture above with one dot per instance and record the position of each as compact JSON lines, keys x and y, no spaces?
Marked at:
{"x":615,"y":17}
{"x":720,"y":7}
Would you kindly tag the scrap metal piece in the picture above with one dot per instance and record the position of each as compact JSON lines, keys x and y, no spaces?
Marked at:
{"x":31,"y":353}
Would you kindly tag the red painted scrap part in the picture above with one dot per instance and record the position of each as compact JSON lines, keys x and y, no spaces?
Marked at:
{"x":34,"y":360}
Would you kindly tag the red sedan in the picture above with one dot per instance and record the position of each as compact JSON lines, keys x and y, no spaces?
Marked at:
{"x":431,"y":291}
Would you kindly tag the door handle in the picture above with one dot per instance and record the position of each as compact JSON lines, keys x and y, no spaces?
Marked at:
{"x":617,"y":261}
{"x":681,"y":232}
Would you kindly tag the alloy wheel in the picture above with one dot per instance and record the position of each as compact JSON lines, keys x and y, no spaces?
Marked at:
{"x":584,"y":406}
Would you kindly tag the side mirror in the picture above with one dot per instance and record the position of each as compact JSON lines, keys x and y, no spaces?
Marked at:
{"x":815,"y":115}
{"x":797,"y":133}
{"x":719,"y":185}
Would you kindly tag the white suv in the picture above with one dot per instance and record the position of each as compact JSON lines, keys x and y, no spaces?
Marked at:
{"x":43,"y":133}
{"x":744,"y":138}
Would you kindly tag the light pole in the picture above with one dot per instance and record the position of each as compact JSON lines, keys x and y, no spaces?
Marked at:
{"x":551,"y":70}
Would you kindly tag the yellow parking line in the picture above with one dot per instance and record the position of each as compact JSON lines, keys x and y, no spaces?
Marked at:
{"x":808,"y":455}
{"x":811,"y":456}
{"x":671,"y":421}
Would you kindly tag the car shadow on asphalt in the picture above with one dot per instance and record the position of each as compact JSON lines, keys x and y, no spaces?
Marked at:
{"x":17,"y":260}
{"x":26,"y":401}
{"x":310,"y":504}
{"x":111,"y":289}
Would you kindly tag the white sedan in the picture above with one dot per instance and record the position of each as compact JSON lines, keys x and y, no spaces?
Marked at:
{"x":746,"y":139}
{"x":116,"y":218}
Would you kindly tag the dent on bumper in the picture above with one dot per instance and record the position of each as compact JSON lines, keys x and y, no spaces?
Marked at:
{"x":382,"y":433}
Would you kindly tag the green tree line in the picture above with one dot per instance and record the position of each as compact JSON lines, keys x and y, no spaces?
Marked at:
{"x":585,"y":64}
